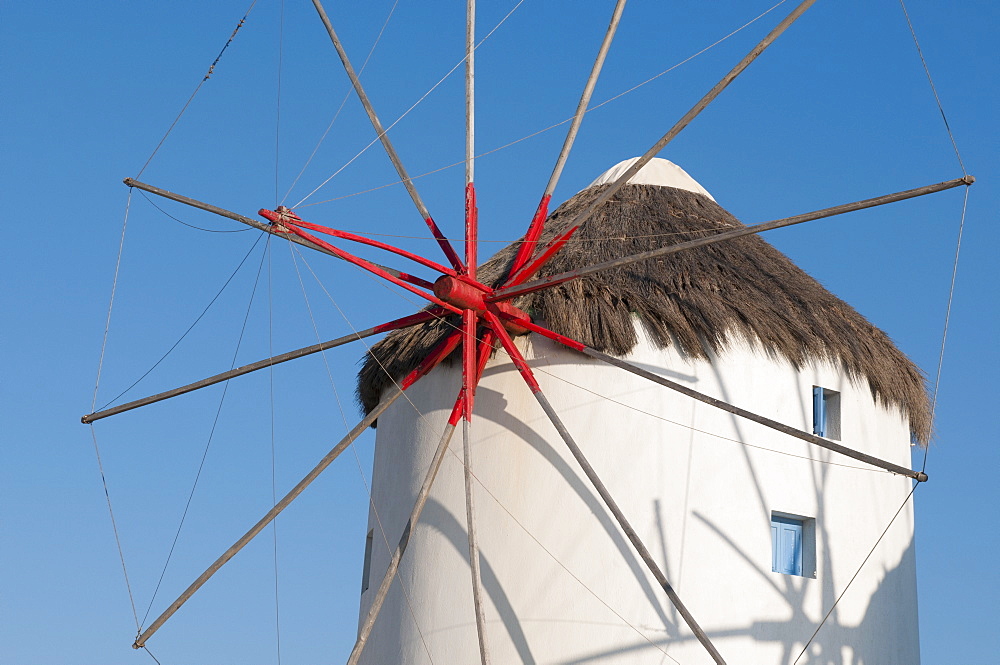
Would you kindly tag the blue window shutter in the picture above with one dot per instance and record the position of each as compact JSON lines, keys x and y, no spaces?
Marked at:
{"x":786,"y":545}
{"x":819,"y":411}
{"x":774,"y":546}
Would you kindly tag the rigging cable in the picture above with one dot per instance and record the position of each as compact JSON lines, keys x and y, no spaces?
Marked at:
{"x":533,"y":134}
{"x":180,"y":221}
{"x":211,"y":435}
{"x":97,"y":383}
{"x":190,"y":328}
{"x":930,"y":80}
{"x":947,"y":318}
{"x":858,"y":571}
{"x":208,"y":74}
{"x":371,"y":499}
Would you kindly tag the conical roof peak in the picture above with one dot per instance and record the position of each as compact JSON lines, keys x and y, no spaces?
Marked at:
{"x":659,"y":172}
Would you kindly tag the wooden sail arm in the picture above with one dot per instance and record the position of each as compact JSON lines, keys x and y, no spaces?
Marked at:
{"x":534,"y":232}
{"x":561,"y":278}
{"x":919,"y":476}
{"x":383,"y":137}
{"x":342,"y":445}
{"x":242,"y":219}
{"x":435,"y":356}
{"x":695,"y":110}
{"x":404,"y":322}
{"x":602,"y":490}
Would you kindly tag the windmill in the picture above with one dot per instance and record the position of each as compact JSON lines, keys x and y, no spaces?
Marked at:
{"x":482,"y":312}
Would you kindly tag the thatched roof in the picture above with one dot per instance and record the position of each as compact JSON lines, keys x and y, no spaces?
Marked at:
{"x":698,"y":299}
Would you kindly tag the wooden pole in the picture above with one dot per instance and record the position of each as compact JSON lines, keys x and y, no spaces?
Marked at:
{"x":553,"y":280}
{"x":269,"y":517}
{"x":249,"y":221}
{"x":537,"y":224}
{"x":404,"y":322}
{"x":601,"y":488}
{"x":588,"y":91}
{"x":470,"y":91}
{"x":695,"y":110}
{"x":919,"y":476}
{"x":470,"y":378}
{"x":383,"y":590}
{"x":383,"y":136}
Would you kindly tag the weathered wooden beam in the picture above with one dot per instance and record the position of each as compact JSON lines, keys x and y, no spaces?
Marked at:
{"x":919,"y":476}
{"x":537,"y":225}
{"x":695,"y":110}
{"x":383,"y":590}
{"x":269,"y":517}
{"x":554,"y":280}
{"x":602,"y":490}
{"x":404,"y":322}
{"x":383,"y":137}
{"x":242,"y":219}
{"x":470,"y":378}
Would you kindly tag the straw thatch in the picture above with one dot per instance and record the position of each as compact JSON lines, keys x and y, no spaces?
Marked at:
{"x":699,"y":299}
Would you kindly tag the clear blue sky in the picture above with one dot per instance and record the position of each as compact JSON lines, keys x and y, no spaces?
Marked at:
{"x":838,"y":110}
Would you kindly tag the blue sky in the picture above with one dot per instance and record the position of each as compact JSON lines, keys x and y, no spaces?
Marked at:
{"x":838,"y":110}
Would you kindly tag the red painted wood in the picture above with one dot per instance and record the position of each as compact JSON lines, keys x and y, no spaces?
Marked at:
{"x":508,"y":344}
{"x":547,"y":253}
{"x":531,"y":237}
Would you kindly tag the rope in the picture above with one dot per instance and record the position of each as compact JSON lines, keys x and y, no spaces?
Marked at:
{"x":947,"y":318}
{"x":111,"y":300}
{"x":533,"y":134}
{"x":407,"y":111}
{"x":930,"y":80}
{"x":208,"y":74}
{"x":371,"y":499}
{"x":857,"y":572}
{"x":146,"y":649}
{"x":180,"y":221}
{"x":347,"y":96}
{"x":114,"y":527}
{"x":211,"y":435}
{"x":190,"y":328}
{"x":93,"y":433}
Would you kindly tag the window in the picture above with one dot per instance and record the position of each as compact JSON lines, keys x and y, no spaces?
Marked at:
{"x":826,"y":413}
{"x":366,"y":573}
{"x":793,"y":545}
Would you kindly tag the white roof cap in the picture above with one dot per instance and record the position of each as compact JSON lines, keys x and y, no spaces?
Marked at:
{"x":657,"y":172}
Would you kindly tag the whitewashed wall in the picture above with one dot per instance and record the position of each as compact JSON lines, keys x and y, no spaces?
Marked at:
{"x":561,"y":581}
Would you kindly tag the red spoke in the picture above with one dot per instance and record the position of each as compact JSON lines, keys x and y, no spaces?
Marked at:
{"x":436,"y":355}
{"x":283,"y":217}
{"x":531,"y":237}
{"x":471,"y":230}
{"x":369,"y":266}
{"x":469,"y":321}
{"x":529,"y":270}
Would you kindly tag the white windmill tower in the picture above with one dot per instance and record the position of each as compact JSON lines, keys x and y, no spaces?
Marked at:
{"x":757,"y":531}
